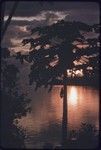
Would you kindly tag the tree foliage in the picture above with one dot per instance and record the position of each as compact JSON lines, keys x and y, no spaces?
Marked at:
{"x":54,"y":51}
{"x":14,"y":104}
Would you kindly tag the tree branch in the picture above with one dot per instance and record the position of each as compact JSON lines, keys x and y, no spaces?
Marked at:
{"x":9,"y":19}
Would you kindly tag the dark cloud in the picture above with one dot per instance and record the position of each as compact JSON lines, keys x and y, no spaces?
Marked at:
{"x":14,"y":33}
{"x":20,"y":29}
{"x":32,"y":8}
{"x":17,"y":31}
{"x":29,"y":24}
{"x":28,"y":8}
{"x":89,"y":16}
{"x":45,"y":14}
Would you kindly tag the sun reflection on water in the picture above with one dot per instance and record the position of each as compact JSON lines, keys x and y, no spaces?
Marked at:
{"x":47,"y":112}
{"x":73,"y":96}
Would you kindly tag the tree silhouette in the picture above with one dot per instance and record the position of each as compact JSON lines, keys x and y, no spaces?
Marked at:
{"x":5,"y":24}
{"x":53,"y":52}
{"x":14,"y":104}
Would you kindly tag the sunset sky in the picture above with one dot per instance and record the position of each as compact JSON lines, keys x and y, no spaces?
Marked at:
{"x":32,"y":14}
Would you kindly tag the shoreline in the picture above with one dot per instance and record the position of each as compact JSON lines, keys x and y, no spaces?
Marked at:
{"x":93,"y":84}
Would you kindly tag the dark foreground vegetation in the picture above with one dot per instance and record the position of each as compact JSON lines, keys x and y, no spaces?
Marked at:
{"x":87,"y":137}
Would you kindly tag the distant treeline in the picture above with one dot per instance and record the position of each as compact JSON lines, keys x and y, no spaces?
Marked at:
{"x":83,"y":81}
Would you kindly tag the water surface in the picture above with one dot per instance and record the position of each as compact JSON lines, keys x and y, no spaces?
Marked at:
{"x":43,"y":124}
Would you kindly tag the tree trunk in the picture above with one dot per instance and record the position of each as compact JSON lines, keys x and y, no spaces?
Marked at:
{"x":64,"y":119}
{"x":2,"y":15}
{"x":5,"y":26}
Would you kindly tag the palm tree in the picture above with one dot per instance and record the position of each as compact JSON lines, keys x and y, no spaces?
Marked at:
{"x":52,"y":53}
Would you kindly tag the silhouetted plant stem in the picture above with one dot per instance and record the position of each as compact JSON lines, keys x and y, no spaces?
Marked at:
{"x":2,"y":15}
{"x":5,"y":26}
{"x":64,"y":119}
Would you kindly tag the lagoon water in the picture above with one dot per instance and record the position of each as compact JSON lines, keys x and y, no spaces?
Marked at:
{"x":43,"y":124}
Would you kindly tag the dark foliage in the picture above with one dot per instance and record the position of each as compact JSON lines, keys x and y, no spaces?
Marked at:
{"x":53,"y":52}
{"x":14,"y":104}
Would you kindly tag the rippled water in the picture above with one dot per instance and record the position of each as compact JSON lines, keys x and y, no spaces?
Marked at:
{"x":43,"y":124}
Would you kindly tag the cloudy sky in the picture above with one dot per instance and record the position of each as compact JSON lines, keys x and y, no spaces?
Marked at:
{"x":32,"y":14}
